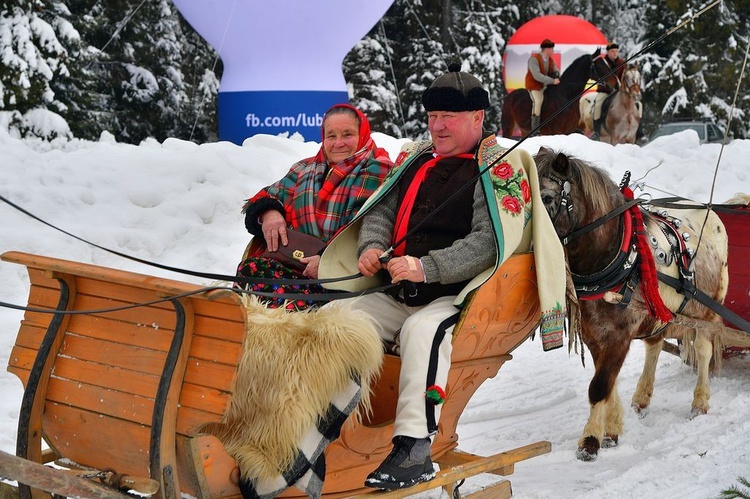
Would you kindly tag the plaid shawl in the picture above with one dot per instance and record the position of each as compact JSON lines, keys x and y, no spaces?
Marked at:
{"x":320,"y":198}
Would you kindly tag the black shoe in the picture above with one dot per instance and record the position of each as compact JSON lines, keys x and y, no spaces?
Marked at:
{"x":595,"y":136}
{"x":408,"y":464}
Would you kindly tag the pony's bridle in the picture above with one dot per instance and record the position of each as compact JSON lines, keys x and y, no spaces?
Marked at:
{"x":620,"y":272}
{"x":633,"y":88}
{"x":567,"y":205}
{"x":565,"y":201}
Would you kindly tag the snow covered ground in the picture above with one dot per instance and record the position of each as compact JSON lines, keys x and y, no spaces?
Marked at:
{"x":178,"y":204}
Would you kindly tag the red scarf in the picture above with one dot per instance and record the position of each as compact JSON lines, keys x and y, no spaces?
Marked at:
{"x":407,"y":205}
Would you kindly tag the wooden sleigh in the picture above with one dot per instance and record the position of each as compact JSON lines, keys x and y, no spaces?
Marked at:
{"x":130,"y":391}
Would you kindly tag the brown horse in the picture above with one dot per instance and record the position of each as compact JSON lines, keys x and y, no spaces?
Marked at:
{"x":517,"y":104}
{"x":577,"y":194}
{"x":621,"y":110}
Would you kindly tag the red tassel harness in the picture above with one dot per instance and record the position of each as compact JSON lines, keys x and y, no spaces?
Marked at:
{"x":649,"y":281}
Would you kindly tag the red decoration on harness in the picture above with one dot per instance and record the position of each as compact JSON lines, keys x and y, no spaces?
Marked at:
{"x":649,"y":281}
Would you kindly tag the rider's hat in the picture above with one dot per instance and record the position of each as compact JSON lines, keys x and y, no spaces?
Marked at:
{"x":547,"y":44}
{"x":612,"y":45}
{"x":455,"y":91}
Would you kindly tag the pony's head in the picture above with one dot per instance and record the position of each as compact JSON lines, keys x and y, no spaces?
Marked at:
{"x":574,"y":192}
{"x":631,"y":81}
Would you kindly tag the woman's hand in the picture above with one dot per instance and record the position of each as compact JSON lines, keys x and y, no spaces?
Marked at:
{"x":311,"y":270}
{"x":274,"y":227}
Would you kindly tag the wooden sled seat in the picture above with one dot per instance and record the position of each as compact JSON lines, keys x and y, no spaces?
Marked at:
{"x":131,"y":390}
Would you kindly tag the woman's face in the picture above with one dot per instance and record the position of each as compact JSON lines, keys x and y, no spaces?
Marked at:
{"x":341,"y":136}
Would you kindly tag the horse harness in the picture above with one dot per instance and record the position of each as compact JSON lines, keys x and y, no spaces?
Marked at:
{"x":685,"y":284}
{"x":622,"y":274}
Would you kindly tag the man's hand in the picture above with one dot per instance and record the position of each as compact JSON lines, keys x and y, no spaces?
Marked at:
{"x":556,"y":82}
{"x":406,"y":268}
{"x":274,"y":226}
{"x":369,"y":262}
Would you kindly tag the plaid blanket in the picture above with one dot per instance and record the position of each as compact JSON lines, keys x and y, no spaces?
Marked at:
{"x":308,"y":471}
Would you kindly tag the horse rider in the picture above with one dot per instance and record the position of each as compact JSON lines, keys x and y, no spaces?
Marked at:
{"x":603,"y":65}
{"x":542,"y":71}
{"x":610,"y":82}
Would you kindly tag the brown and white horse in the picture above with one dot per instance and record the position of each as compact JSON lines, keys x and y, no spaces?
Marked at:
{"x":577,"y":194}
{"x":621,"y":109}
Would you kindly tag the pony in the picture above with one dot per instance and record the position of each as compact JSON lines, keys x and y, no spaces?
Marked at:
{"x":516,"y":109}
{"x":621,"y":109}
{"x":577,"y":194}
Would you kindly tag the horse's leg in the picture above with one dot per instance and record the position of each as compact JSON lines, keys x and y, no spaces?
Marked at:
{"x":613,"y":424}
{"x":703,"y":351}
{"x":645,"y":388}
{"x":593,"y":433}
{"x":608,"y":354}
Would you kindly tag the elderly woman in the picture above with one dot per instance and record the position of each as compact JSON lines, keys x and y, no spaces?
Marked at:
{"x":318,"y":197}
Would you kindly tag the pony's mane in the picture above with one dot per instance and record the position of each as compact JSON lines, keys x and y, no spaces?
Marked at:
{"x":597,"y":184}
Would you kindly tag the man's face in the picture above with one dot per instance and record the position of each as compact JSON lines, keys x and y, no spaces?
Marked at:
{"x":613,"y":53}
{"x":547,"y":51}
{"x":455,"y":132}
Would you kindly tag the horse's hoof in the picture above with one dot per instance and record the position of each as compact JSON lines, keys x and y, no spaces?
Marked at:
{"x":589,"y":449}
{"x":641,"y":412}
{"x":609,"y":441}
{"x":696,"y":411}
{"x":584,"y":455}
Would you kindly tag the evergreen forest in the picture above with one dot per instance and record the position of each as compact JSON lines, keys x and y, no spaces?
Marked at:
{"x":137,"y":70}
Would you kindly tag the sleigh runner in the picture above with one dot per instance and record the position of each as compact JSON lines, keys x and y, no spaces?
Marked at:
{"x":133,"y":390}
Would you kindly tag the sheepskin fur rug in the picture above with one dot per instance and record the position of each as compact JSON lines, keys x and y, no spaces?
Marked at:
{"x":294,"y":364}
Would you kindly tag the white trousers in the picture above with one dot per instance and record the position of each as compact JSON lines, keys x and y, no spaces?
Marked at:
{"x":598,"y":101}
{"x":537,"y":98}
{"x":423,"y":357}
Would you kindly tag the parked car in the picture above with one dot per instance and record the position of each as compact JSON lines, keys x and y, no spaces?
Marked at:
{"x":708,"y":132}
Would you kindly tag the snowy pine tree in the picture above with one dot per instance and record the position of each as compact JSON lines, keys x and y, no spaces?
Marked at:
{"x":693,"y":72}
{"x":32,"y":57}
{"x":369,"y":73}
{"x":138,"y":70}
{"x":482,"y":29}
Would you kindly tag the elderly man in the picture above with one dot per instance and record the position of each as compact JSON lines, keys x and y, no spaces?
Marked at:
{"x":432,"y":227}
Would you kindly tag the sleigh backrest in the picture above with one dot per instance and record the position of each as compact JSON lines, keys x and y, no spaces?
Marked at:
{"x":736,"y":220}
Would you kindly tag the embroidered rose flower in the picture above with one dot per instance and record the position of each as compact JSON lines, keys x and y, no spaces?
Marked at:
{"x":526,"y":191}
{"x":511,"y":204}
{"x":503,"y":170}
{"x":401,"y":157}
{"x":511,"y":188}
